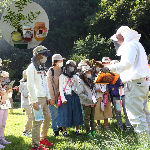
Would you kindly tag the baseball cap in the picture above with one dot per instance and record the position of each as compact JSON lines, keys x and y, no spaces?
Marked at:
{"x":41,"y":50}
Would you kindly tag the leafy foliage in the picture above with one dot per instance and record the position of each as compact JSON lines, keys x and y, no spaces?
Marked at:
{"x":67,"y":23}
{"x":112,"y":14}
{"x":77,"y":58}
{"x":15,"y":19}
{"x":79,"y":29}
{"x":94,"y":47}
{"x":14,"y":60}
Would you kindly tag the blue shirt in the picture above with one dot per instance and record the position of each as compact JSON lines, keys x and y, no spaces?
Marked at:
{"x":115,"y":92}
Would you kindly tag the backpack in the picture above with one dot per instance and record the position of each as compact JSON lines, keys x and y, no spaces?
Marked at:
{"x":52,"y":70}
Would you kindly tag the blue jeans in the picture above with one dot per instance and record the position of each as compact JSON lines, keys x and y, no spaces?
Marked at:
{"x":53,"y":111}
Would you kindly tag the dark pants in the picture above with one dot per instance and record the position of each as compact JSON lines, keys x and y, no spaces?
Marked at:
{"x":89,"y":118}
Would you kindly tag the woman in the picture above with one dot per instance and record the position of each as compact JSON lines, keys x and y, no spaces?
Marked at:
{"x":53,"y":83}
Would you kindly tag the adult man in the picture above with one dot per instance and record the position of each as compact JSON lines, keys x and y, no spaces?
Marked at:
{"x":133,"y":70}
{"x":39,"y":95}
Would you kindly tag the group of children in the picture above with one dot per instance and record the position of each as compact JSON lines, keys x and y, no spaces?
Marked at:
{"x":78,"y":92}
{"x":82,"y":101}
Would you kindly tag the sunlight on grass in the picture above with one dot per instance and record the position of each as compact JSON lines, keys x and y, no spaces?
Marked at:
{"x":109,"y":140}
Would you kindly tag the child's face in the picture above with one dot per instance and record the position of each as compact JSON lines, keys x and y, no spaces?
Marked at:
{"x":5,"y":87}
{"x":87,"y":74}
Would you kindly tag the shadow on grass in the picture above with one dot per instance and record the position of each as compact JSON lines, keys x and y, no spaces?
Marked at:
{"x":17,"y":143}
{"x":17,"y":114}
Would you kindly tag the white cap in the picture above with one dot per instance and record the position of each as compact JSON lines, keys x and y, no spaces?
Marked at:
{"x":105,"y":59}
{"x":85,"y":68}
{"x":57,"y":57}
{"x":71,"y":62}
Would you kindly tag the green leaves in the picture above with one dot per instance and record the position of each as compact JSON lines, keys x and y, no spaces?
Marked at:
{"x":94,"y":47}
{"x":14,"y":19}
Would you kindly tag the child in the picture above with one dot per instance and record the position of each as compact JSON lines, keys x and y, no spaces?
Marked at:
{"x":99,"y":96}
{"x":70,"y":112}
{"x":102,"y":89}
{"x":114,"y":89}
{"x":39,"y":96}
{"x":3,"y":116}
{"x":87,"y":95}
{"x":53,"y":83}
{"x":25,"y":104}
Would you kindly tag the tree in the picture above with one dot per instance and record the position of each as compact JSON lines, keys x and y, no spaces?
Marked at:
{"x":67,"y":23}
{"x":94,"y":47}
{"x":14,"y":60}
{"x":112,"y":14}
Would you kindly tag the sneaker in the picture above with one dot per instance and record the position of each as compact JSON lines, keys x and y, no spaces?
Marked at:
{"x":94,"y":133}
{"x":60,"y":129}
{"x":3,"y":142}
{"x":1,"y":146}
{"x":90,"y":135}
{"x":56,"y":133}
{"x":27,"y":134}
{"x":77,"y":133}
{"x":46,"y":142}
{"x":65,"y":134}
{"x":98,"y":127}
{"x":39,"y":148}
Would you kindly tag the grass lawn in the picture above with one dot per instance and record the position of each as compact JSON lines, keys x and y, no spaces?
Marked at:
{"x":111,"y":140}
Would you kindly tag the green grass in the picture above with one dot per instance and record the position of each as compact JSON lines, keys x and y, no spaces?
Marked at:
{"x":109,"y":140}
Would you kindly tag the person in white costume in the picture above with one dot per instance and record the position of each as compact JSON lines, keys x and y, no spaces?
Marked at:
{"x":133,"y":69}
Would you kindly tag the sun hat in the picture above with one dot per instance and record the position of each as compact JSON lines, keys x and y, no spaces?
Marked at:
{"x":84,"y":69}
{"x":41,"y":50}
{"x":4,"y":74}
{"x":81,"y":63}
{"x":57,"y":57}
{"x":71,"y":62}
{"x":105,"y":59}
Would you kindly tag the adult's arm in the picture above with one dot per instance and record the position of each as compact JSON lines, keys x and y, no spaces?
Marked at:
{"x":128,"y":58}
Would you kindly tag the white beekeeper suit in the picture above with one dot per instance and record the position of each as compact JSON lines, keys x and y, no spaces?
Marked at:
{"x":133,"y":69}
